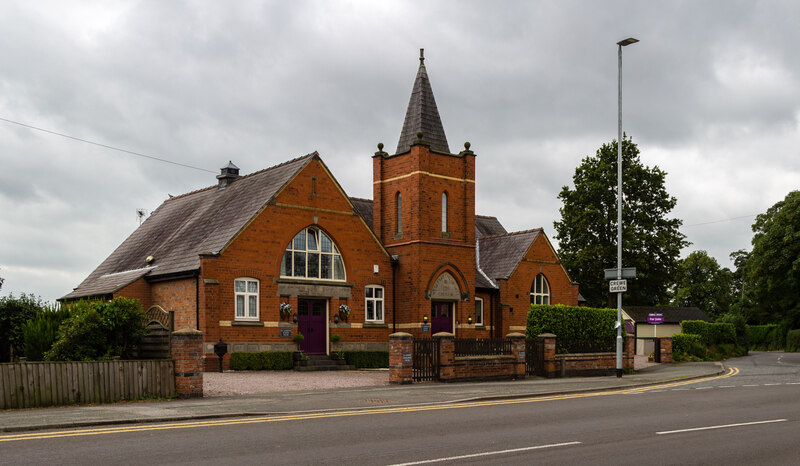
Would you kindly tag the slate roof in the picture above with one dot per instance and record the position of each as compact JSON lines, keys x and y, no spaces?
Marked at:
{"x":500,"y":254}
{"x":672,"y":315}
{"x":487,"y":226}
{"x":364,"y":207}
{"x":422,"y":115}
{"x":184,"y":226}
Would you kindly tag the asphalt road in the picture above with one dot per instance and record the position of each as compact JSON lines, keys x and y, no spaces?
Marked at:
{"x":751,"y":416}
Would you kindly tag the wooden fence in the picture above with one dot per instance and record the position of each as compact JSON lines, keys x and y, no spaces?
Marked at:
{"x":36,"y":384}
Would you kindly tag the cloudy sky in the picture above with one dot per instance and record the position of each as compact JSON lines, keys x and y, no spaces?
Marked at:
{"x":710,"y":95}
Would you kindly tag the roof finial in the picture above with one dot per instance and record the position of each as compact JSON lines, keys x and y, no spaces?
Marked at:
{"x":421,"y":56}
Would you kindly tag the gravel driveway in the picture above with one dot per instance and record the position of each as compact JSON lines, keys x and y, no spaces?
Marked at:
{"x":249,"y":382}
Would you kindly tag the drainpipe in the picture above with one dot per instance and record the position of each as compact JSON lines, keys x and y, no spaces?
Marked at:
{"x":197,"y":300}
{"x":395,"y":262}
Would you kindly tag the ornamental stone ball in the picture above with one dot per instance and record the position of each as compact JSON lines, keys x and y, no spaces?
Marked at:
{"x":466,"y":145}
{"x":380,"y":146}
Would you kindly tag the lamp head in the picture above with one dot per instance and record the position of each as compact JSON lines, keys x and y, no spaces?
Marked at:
{"x":628,"y":41}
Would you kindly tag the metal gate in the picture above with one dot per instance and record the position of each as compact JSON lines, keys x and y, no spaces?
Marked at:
{"x":426,"y":359}
{"x":534,"y":356}
{"x":156,"y":344}
{"x":657,"y":350}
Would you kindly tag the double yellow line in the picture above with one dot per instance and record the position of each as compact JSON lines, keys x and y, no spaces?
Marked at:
{"x":333,"y":414}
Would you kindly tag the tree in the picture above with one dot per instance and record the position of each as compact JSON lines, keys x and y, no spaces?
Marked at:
{"x":772,"y":270}
{"x":701,"y":282}
{"x":587,"y":232}
{"x":14,"y":312}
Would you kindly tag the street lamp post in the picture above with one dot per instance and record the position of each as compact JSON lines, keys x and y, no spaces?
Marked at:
{"x":621,"y":44}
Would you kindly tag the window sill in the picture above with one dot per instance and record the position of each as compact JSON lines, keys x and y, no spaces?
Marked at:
{"x":445,"y":234}
{"x":247,"y":323}
{"x":313,"y":281}
{"x":375,"y":325}
{"x":480,"y":327}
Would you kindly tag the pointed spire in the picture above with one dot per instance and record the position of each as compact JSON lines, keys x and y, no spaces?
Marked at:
{"x":422,"y":115}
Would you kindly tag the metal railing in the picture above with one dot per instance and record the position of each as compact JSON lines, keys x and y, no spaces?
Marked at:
{"x":481,"y":347}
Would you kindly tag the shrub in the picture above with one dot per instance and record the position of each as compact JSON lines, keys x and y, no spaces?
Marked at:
{"x":740,"y":326}
{"x":14,"y":313}
{"x":264,"y":361}
{"x":684,"y":344}
{"x":710,"y":333}
{"x":367,"y":359}
{"x":770,"y":337}
{"x":41,"y":332}
{"x":572,"y":322}
{"x":793,"y":340}
{"x":99,"y":330}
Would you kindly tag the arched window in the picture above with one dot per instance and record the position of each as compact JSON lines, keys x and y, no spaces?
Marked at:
{"x":399,"y":202}
{"x":540,"y":290}
{"x":444,"y":212}
{"x":312,"y":254}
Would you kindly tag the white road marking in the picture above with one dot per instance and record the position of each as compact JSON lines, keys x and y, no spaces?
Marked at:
{"x":727,"y":386}
{"x":770,"y":384}
{"x":488,"y":453}
{"x":751,"y":385}
{"x":720,"y":427}
{"x":703,"y":388}
{"x":793,"y":383}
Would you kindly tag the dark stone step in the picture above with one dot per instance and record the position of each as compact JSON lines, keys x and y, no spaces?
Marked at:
{"x":324,"y":368}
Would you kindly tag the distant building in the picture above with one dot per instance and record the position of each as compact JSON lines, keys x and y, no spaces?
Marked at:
{"x":636,"y":323}
{"x":415,"y":258}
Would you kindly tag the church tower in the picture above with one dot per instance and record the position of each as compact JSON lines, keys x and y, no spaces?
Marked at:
{"x":424,"y":212}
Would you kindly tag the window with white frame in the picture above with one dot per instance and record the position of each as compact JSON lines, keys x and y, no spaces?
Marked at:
{"x":444,"y":212}
{"x":246,"y":293}
{"x":313,"y":254}
{"x":478,"y":311}
{"x":540,"y":290}
{"x":374,"y":303}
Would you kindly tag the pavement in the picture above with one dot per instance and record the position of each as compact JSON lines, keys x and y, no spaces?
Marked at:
{"x":307,"y":401}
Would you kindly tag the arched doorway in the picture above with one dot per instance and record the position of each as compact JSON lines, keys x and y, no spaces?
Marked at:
{"x":444,"y":294}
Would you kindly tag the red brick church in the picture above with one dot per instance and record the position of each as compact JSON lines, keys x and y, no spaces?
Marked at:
{"x":257,"y":258}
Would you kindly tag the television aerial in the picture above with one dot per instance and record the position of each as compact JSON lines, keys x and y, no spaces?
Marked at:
{"x":140,"y":215}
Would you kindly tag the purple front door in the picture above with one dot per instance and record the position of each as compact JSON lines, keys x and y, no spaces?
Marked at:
{"x":311,"y":323}
{"x":441,"y":317}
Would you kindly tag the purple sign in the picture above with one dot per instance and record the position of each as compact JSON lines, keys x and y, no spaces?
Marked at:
{"x":655,"y":318}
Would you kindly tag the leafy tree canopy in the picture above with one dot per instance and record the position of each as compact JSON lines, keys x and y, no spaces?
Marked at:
{"x":772,"y":270}
{"x":587,"y":232}
{"x":14,"y":312}
{"x":701,"y":282}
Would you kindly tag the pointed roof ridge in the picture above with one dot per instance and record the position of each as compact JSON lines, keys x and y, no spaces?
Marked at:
{"x":249,"y":175}
{"x":422,"y":115}
{"x":513,"y":233}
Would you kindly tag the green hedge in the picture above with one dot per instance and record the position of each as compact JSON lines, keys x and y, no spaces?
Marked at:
{"x":367,"y":359}
{"x":768,"y":337}
{"x":265,"y":361}
{"x":793,"y":340}
{"x":710,"y":333}
{"x":572,"y":322}
{"x":687,"y":344}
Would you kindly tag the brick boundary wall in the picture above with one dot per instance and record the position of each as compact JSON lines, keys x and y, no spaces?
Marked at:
{"x":586,"y":364}
{"x":187,"y":354}
{"x":453,"y":368}
{"x":401,"y":370}
{"x":666,"y":349}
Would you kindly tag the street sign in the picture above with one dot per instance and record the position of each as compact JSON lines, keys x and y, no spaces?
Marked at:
{"x":618,"y":286}
{"x":627,"y":272}
{"x":655,"y":318}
